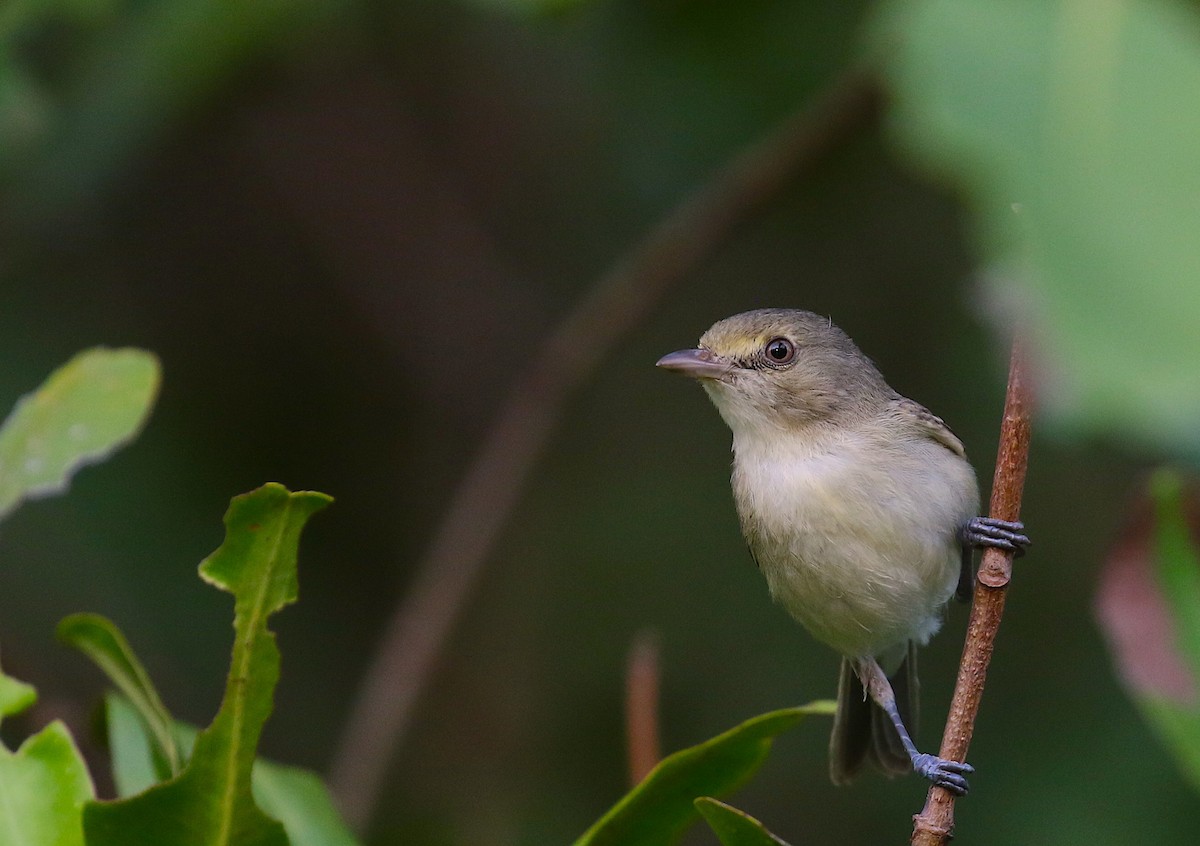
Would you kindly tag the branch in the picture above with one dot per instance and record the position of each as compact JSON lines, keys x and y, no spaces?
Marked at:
{"x":408,"y":650}
{"x":934,"y":826}
{"x":642,"y":677}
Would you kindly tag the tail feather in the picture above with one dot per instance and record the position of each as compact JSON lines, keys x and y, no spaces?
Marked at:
{"x":851,"y":738}
{"x":862,"y":730}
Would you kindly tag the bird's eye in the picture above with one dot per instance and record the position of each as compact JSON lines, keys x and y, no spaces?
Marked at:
{"x":780,"y":351}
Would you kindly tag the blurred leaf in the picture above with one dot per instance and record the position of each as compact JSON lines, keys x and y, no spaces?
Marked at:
{"x":1148,"y":605}
{"x":532,"y":7}
{"x":99,"y":639}
{"x":1178,"y":564}
{"x":210,"y":803}
{"x":93,"y":404}
{"x":661,"y":808}
{"x":1073,"y":129}
{"x":15,"y":696}
{"x":734,"y":827}
{"x":133,"y":765}
{"x":295,"y":797}
{"x":152,"y":65}
{"x":44,"y":785}
{"x":26,"y":112}
{"x":298,"y":799}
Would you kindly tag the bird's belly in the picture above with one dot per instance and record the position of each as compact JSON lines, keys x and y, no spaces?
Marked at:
{"x":863,"y":574}
{"x":858,"y":602}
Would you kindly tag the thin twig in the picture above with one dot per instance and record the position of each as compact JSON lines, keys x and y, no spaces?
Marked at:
{"x":417,"y":629}
{"x":934,"y":826}
{"x":642,"y":675}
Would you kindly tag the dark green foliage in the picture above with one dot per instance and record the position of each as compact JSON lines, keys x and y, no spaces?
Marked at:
{"x":662,"y":807}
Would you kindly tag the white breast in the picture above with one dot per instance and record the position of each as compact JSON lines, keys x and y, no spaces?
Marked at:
{"x":857,"y":540}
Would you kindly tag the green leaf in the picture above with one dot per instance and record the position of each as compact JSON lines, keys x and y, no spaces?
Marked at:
{"x":44,"y":784}
{"x":134,"y":768}
{"x":43,"y":788}
{"x":1148,"y":607}
{"x":1177,"y":565}
{"x":15,"y":696}
{"x":661,"y":808}
{"x":298,"y":799}
{"x":1072,"y":130}
{"x":100,"y":639}
{"x":1178,"y":728}
{"x":295,"y":797}
{"x":210,"y":803}
{"x":93,"y":404}
{"x":734,"y":827}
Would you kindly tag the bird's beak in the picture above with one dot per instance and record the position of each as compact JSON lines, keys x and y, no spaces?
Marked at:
{"x":697,"y":363}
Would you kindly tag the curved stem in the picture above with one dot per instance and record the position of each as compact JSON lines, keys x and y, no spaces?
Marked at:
{"x":934,"y":826}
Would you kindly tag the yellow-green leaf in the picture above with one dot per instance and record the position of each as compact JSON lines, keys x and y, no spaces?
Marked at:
{"x":89,"y":407}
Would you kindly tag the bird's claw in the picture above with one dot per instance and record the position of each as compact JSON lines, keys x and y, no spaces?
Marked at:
{"x":951,"y":775}
{"x":1002,"y":534}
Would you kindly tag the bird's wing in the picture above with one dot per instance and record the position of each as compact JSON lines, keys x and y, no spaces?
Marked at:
{"x":928,"y":424}
{"x":931,"y":426}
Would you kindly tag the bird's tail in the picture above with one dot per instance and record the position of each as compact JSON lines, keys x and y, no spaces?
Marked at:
{"x":862,"y":730}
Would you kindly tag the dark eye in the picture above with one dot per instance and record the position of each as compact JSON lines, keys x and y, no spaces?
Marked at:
{"x":780,"y":351}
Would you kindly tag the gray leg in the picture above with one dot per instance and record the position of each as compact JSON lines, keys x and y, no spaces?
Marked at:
{"x":948,"y":774}
{"x":1003,"y":534}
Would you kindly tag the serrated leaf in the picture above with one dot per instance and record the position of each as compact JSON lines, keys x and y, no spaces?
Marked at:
{"x":661,"y":808}
{"x":89,"y":407}
{"x":734,"y":827}
{"x":211,"y":803}
{"x":100,"y":639}
{"x":1071,"y":129}
{"x":296,"y":797}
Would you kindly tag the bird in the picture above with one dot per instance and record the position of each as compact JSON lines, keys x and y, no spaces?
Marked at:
{"x":860,"y":508}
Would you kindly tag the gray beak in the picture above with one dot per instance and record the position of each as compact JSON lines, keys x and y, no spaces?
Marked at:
{"x":697,"y":363}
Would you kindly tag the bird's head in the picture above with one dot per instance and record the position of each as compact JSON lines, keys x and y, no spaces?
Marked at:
{"x":779,"y":368}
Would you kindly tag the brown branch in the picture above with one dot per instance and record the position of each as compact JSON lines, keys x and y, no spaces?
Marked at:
{"x":642,"y":675}
{"x":417,"y":629}
{"x":934,"y":826}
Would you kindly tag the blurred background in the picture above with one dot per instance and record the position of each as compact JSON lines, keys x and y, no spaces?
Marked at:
{"x":346,"y":227}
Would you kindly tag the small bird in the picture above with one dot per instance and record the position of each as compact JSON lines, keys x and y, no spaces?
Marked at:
{"x":859,"y":507}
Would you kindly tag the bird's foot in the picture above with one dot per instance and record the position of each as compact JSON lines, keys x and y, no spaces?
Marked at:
{"x":1002,"y":534}
{"x":951,"y":775}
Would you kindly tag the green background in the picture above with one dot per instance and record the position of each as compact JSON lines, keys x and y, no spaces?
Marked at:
{"x":344,"y":227}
